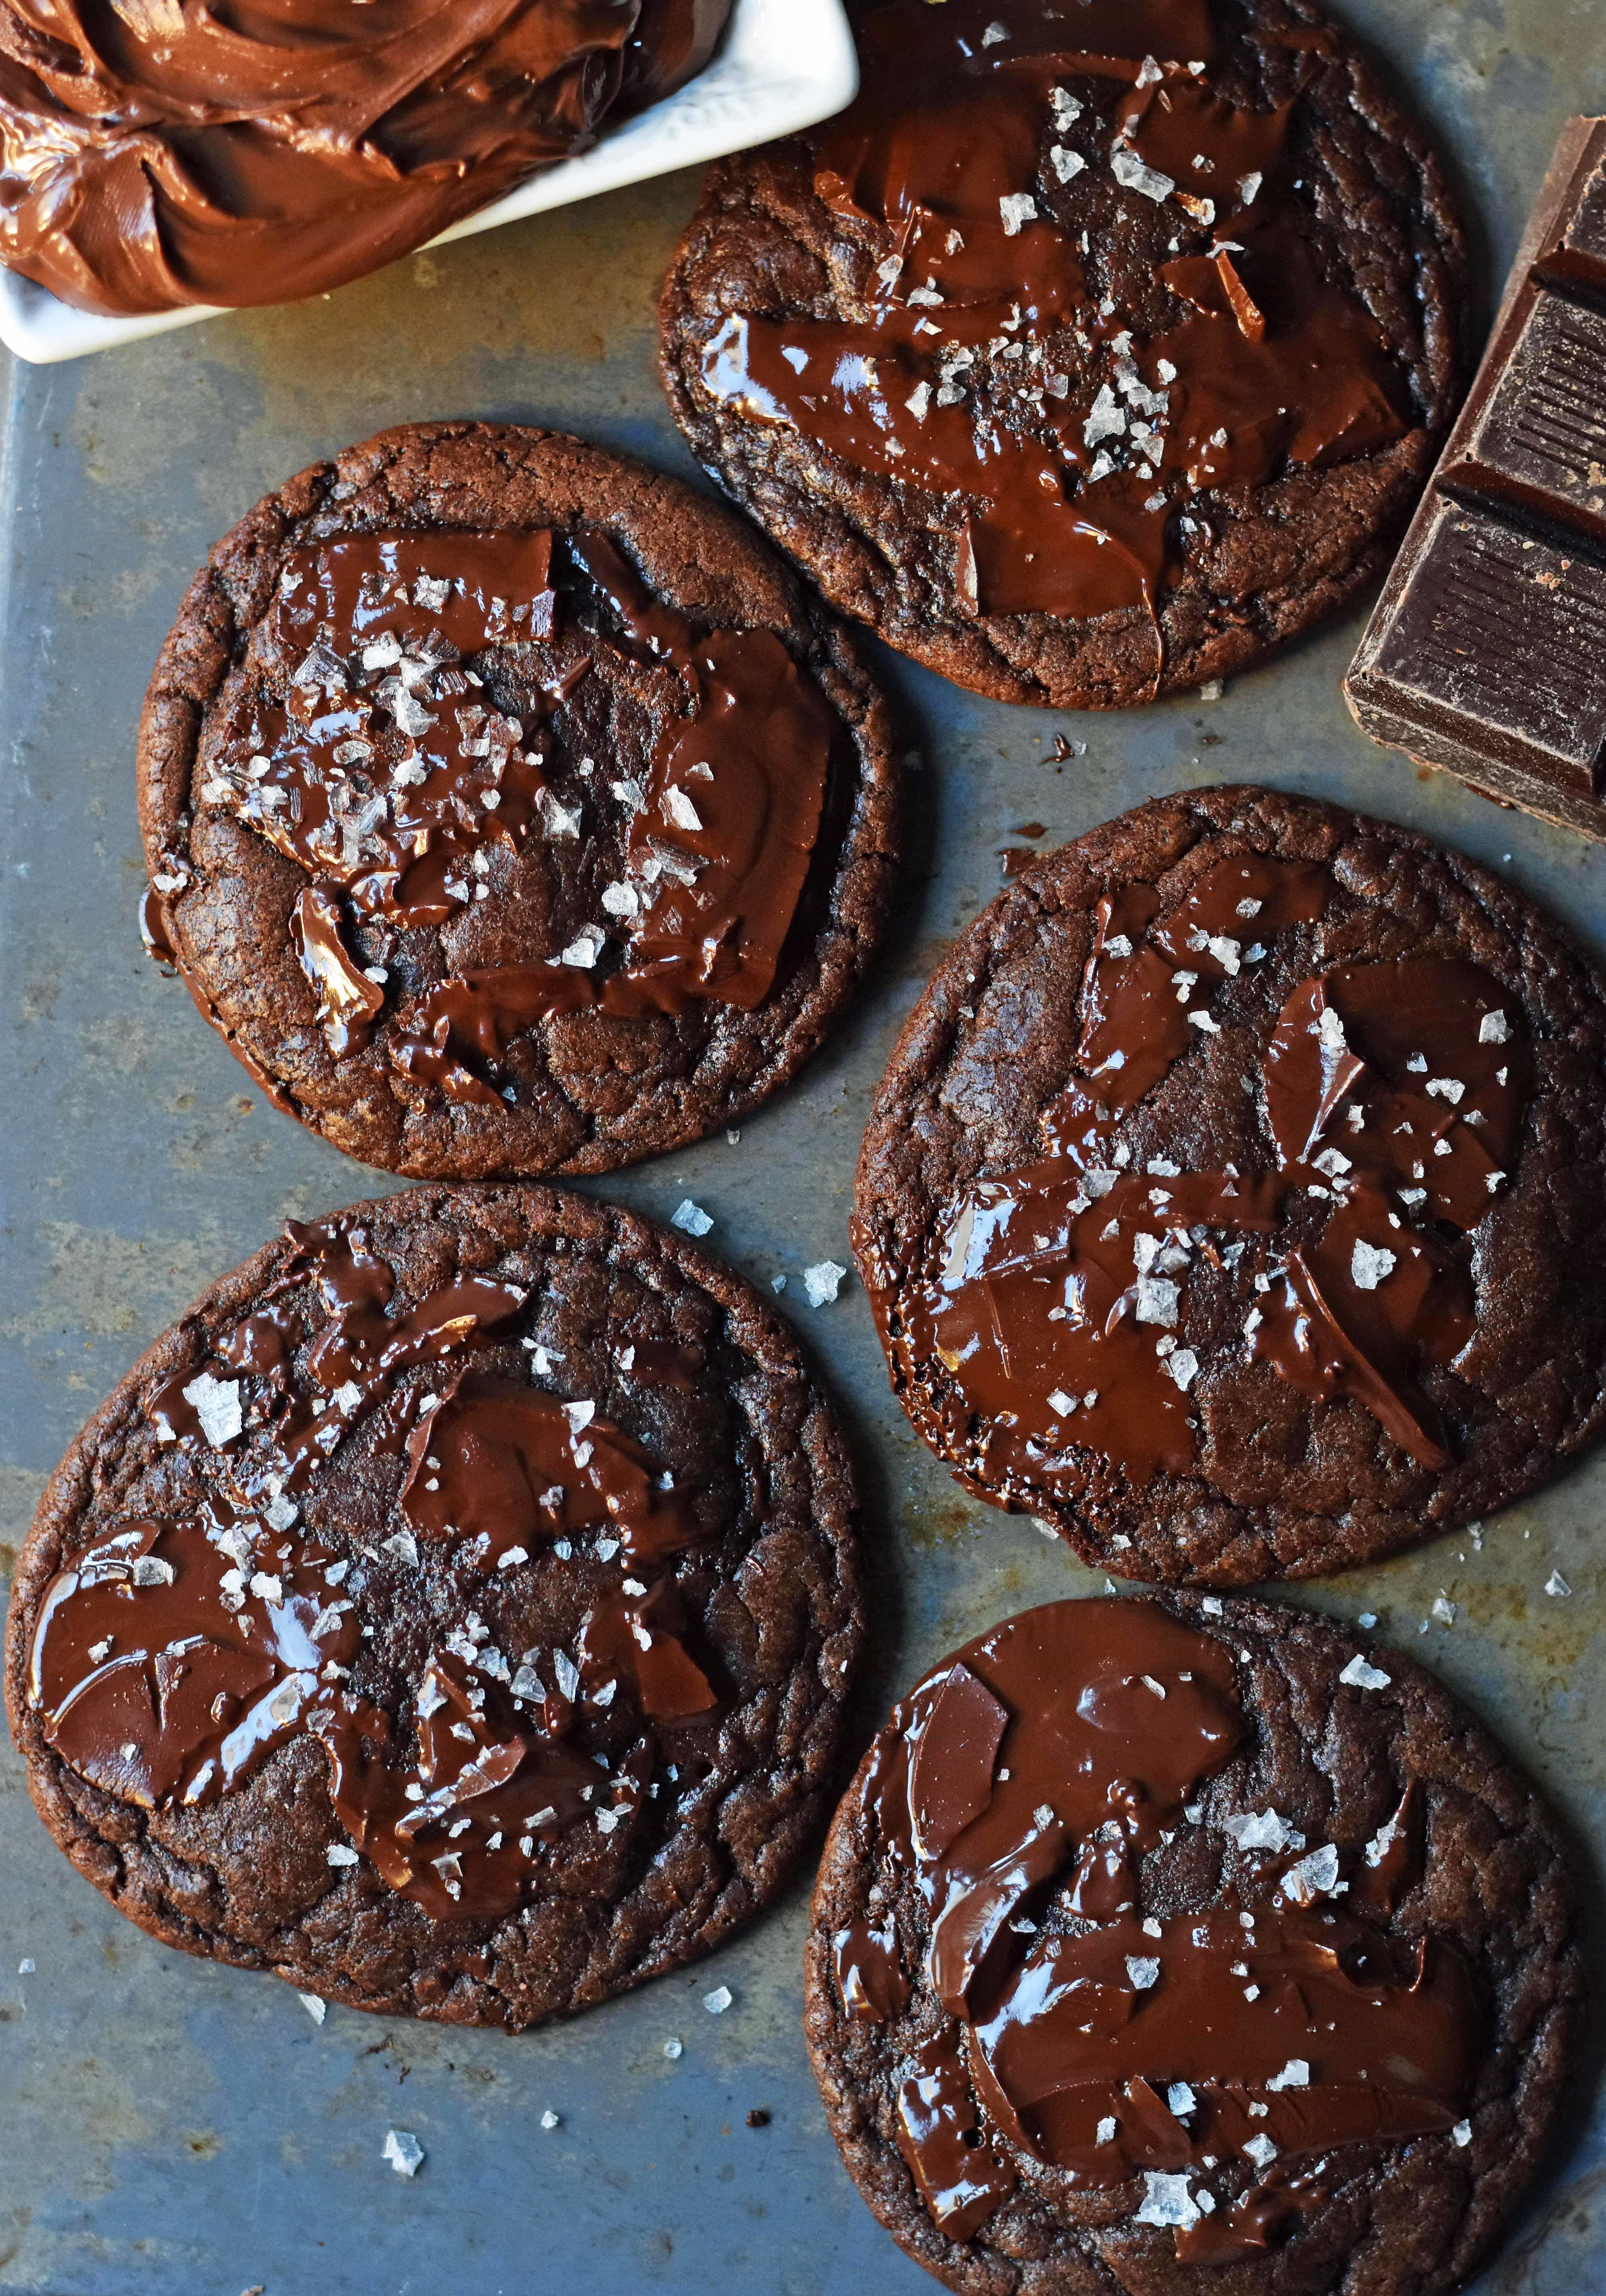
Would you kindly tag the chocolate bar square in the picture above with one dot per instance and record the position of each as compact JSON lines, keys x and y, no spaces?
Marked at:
{"x":1486,"y":654}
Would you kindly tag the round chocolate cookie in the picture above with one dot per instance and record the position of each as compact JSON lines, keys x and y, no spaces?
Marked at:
{"x":1094,"y":351}
{"x":453,"y":1614}
{"x":509,"y":807}
{"x":1234,"y":1198}
{"x":1158,"y":1937}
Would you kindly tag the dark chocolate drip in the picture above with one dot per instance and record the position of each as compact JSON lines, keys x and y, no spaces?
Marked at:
{"x":1074,"y":457}
{"x":1238,"y":2047}
{"x":172,"y":1657}
{"x":1394,"y":1096}
{"x":159,"y":155}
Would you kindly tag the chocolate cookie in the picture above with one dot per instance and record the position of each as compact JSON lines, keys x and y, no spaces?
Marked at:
{"x":1166,"y":1935}
{"x":510,"y":808}
{"x":1233,"y":1200}
{"x":1094,"y":351}
{"x":453,"y":1614}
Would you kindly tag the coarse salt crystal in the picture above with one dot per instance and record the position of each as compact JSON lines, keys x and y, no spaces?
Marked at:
{"x":316,"y":2009}
{"x":217,"y":1407}
{"x":403,"y":2150}
{"x":691,"y":1219}
{"x":1361,"y":1676}
{"x":823,"y":1282}
{"x":1369,"y":1264}
{"x":717,"y":2002}
{"x":1167,"y":2201}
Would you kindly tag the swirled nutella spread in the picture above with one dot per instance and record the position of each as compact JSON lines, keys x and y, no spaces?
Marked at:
{"x":988,"y":363}
{"x":1394,"y":1095}
{"x":164,"y":153}
{"x":1223,"y":2056}
{"x":362,"y":741}
{"x":176,"y":1654}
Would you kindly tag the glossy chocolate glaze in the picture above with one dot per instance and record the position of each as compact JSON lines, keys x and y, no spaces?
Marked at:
{"x":1019,"y":1789}
{"x":1070,"y":495}
{"x":1394,"y":1094}
{"x":163,"y":152}
{"x":360,"y":741}
{"x":174,"y":1655}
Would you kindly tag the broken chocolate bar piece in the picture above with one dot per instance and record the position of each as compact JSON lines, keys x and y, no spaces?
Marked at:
{"x":1486,"y":654}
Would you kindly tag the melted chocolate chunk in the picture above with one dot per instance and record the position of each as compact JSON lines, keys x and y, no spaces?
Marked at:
{"x":868,"y":1971}
{"x":174,"y":1656}
{"x":953,"y":379}
{"x":458,"y":1829}
{"x":157,"y":156}
{"x":1017,"y":1788}
{"x":167,"y":1666}
{"x":1394,"y":1096}
{"x":503,"y":1466}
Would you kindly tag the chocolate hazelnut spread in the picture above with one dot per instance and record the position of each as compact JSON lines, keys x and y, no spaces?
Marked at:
{"x":174,"y":1655}
{"x":1223,"y":2056}
{"x":1074,"y":497}
{"x":361,"y":743}
{"x":165,"y":152}
{"x":1395,"y":1094}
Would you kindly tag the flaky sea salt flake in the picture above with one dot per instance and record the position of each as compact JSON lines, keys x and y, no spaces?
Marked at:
{"x":1167,"y":2201}
{"x":217,"y":1407}
{"x":403,"y":2150}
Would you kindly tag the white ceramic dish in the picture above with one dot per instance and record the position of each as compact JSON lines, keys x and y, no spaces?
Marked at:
{"x":784,"y":64}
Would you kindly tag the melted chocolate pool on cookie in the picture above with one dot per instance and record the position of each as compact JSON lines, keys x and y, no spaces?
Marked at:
{"x":1224,"y":2056}
{"x":1075,"y":499}
{"x":1395,"y":1096}
{"x":363,"y":747}
{"x":174,"y":1655}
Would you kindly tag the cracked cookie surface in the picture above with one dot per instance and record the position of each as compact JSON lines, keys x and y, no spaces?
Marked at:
{"x":453,"y":1614}
{"x":433,"y":859}
{"x":1310,"y":1808}
{"x":1247,"y":1318}
{"x":893,"y":339}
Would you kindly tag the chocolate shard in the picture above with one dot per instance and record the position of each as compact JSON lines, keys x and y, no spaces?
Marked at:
{"x":1486,"y":655}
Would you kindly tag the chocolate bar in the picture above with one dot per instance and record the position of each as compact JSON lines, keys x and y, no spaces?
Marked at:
{"x":1486,"y":654}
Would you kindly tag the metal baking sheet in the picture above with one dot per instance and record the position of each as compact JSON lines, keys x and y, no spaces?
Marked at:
{"x":167,"y":2126}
